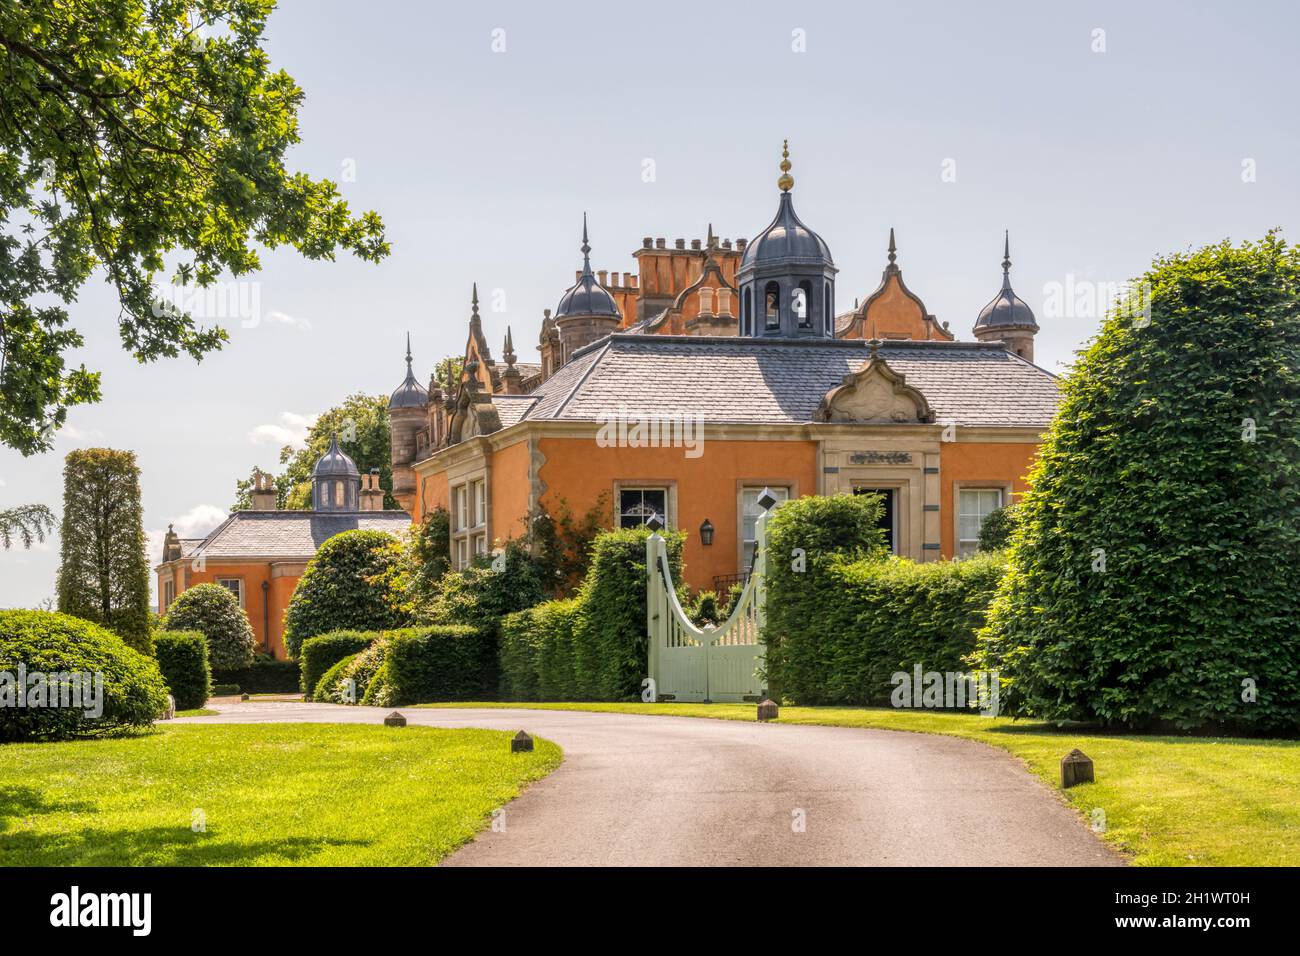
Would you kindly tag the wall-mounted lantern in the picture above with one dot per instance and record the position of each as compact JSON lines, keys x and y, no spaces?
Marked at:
{"x":706,"y":532}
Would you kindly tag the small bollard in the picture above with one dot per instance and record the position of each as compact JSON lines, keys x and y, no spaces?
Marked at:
{"x":521,"y":743}
{"x":767,"y":710}
{"x":243,"y":697}
{"x":170,"y":712}
{"x":1076,"y":768}
{"x":394,"y":720}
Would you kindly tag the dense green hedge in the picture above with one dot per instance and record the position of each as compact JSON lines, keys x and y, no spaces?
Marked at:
{"x":805,"y":537}
{"x":265,"y":675}
{"x":214,"y":611}
{"x":877,"y":618}
{"x":592,"y":647}
{"x":183,"y":660}
{"x":349,"y":584}
{"x":432,"y":663}
{"x":1155,"y":565}
{"x":318,"y":654}
{"x":133,"y":692}
{"x":359,"y":668}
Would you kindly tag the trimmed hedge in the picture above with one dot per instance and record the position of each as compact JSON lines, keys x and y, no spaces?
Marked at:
{"x":183,"y":660}
{"x":359,"y":668}
{"x":319,"y":654}
{"x":134,"y":694}
{"x":265,"y":675}
{"x":594,"y":646}
{"x":880,"y":617}
{"x":432,"y":663}
{"x":215,"y":612}
{"x":537,"y":660}
{"x":349,"y":583}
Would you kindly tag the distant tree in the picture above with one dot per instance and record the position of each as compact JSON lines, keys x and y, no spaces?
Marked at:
{"x":27,"y":523}
{"x":104,"y":574}
{"x":361,"y":423}
{"x":131,"y":133}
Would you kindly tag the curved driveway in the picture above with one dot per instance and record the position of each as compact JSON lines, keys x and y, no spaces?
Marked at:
{"x":685,"y":791}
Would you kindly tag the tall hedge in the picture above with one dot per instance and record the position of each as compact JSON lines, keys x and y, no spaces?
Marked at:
{"x":805,"y":537}
{"x":320,"y":653}
{"x":133,"y":692}
{"x":877,"y":618}
{"x":183,"y":659}
{"x":537,"y":654}
{"x":214,"y":611}
{"x":347,"y":585}
{"x":1154,"y":573}
{"x":432,"y":663}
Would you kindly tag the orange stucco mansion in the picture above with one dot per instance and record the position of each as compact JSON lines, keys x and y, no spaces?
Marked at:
{"x":715,"y":371}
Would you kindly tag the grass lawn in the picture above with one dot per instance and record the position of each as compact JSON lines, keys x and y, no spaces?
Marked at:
{"x":1168,"y":801}
{"x":197,"y":712}
{"x":270,"y":794}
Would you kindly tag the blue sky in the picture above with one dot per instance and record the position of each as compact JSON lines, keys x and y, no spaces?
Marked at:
{"x":947,"y":121}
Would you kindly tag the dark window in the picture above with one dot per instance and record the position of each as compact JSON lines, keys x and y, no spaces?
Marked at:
{"x":887,"y":516}
{"x":636,"y":505}
{"x":772,"y":311}
{"x":747,"y":314}
{"x":826,"y":309}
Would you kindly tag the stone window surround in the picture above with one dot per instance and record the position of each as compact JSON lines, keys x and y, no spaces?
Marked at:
{"x":742,"y":485}
{"x":629,"y":484}
{"x":219,"y":579}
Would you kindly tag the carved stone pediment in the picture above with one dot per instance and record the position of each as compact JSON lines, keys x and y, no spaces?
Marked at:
{"x":475,"y":414}
{"x":875,"y":394}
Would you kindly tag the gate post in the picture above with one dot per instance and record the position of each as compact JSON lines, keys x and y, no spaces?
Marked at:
{"x":654,"y":621}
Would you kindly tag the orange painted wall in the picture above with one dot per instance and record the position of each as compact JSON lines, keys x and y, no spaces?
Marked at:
{"x":508,"y":494}
{"x":579,"y":471}
{"x":994,"y":462}
{"x":187,"y":576}
{"x":433,"y":494}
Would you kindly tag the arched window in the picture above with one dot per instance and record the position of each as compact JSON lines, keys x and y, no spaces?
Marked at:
{"x":802,"y":304}
{"x":772,"y":306}
{"x":747,"y":314}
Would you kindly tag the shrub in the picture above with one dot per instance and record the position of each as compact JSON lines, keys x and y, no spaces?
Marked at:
{"x":319,"y":654}
{"x":706,"y":610}
{"x":537,"y":659}
{"x":431,"y":663}
{"x":881,"y":617}
{"x":265,"y":675}
{"x":133,"y":692}
{"x":226,"y":690}
{"x":609,"y":634}
{"x":360,"y":668}
{"x":804,"y":538}
{"x":183,"y":660}
{"x":349,"y":584}
{"x":995,"y":532}
{"x":214,"y":612}
{"x":1153,"y":570}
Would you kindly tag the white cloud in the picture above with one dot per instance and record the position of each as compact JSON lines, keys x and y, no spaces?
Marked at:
{"x":73,"y":433}
{"x":195,"y":523}
{"x":276,"y":317}
{"x":292,"y":430}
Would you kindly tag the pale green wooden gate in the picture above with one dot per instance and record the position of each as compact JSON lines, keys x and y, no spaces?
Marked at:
{"x":688,"y":663}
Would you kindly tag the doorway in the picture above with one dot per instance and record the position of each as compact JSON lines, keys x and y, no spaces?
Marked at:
{"x":889,"y":517}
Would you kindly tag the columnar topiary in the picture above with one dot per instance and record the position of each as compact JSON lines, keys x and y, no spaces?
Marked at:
{"x":347,"y":585}
{"x":214,"y":611}
{"x":55,"y":647}
{"x":183,"y":659}
{"x":1154,"y":572}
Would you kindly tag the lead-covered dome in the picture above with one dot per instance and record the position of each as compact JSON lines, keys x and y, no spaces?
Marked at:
{"x":410,"y":394}
{"x":587,"y":296}
{"x":1007,"y":310}
{"x":335,"y":463}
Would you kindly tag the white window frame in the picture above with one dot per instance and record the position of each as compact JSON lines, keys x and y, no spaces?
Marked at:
{"x":966,"y":546}
{"x":238,"y":592}
{"x":469,"y":511}
{"x":744,"y":553}
{"x":643,"y":487}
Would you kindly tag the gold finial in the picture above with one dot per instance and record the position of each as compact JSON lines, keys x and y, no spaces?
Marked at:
{"x":786,"y":182}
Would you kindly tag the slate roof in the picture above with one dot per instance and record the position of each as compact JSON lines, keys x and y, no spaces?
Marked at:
{"x":289,"y":535}
{"x":781,"y":381}
{"x":512,"y":408}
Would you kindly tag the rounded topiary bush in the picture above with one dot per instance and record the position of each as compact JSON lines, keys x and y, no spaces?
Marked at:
{"x":125,"y":686}
{"x":359,"y":668}
{"x":183,"y":659}
{"x":995,"y":532}
{"x":347,"y":585}
{"x":1154,"y":577}
{"x":214,"y":612}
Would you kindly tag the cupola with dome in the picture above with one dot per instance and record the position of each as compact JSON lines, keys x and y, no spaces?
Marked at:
{"x":787,"y":276}
{"x":335,"y":482}
{"x":1008,"y":318}
{"x":587,"y":311}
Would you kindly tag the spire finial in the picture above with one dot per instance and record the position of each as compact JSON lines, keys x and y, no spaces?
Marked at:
{"x":1006,"y":260}
{"x":893,"y":247}
{"x":786,"y":182}
{"x":709,"y":242}
{"x":473,"y":302}
{"x":509,"y":348}
{"x":408,"y":351}
{"x":586,"y":248}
